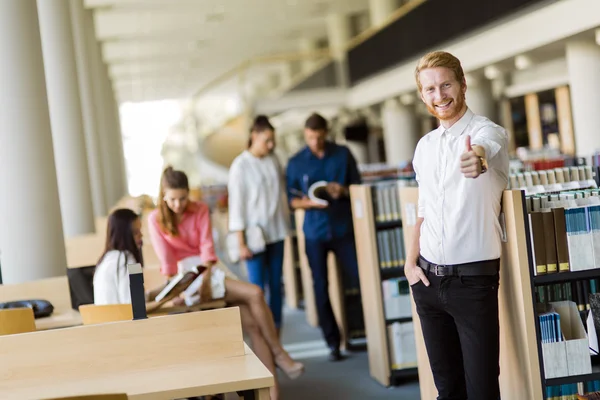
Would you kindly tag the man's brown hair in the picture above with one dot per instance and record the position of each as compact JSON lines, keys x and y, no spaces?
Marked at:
{"x":439,"y":59}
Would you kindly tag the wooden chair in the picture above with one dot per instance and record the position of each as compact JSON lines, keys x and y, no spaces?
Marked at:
{"x":100,"y":314}
{"x":16,"y":320}
{"x":115,"y":396}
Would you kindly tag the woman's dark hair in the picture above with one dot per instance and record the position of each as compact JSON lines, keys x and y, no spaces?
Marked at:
{"x":171,"y":179}
{"x":316,"y":122}
{"x":261,"y":124}
{"x":119,"y":234}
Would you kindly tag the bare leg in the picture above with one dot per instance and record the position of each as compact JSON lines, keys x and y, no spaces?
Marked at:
{"x":238,"y":292}
{"x":259,"y":345}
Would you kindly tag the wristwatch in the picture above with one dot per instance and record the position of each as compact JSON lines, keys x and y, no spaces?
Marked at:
{"x":484,"y":165}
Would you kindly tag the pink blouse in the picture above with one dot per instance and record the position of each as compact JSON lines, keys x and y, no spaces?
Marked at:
{"x":195,"y":238}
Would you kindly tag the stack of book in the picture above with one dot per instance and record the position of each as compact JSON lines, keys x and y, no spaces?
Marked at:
{"x":565,"y":231}
{"x":571,"y":390}
{"x":554,"y":180}
{"x":390,"y":246}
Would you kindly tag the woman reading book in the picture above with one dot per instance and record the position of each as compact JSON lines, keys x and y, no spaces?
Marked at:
{"x":179,"y":229}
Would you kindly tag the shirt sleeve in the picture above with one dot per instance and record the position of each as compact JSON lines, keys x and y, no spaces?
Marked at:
{"x":415,"y":164}
{"x":236,"y":204}
{"x":353,"y":173}
{"x":293,"y":187}
{"x":492,"y":139}
{"x":105,"y":286}
{"x":207,"y":245}
{"x":168,"y":262}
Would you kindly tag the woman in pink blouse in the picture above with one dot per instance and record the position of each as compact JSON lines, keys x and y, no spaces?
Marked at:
{"x":180,"y":228}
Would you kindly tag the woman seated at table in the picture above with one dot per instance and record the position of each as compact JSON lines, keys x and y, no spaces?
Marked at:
{"x":124,"y":239}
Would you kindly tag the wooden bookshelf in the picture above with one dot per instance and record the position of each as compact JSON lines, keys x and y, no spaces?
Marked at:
{"x":291,"y":271}
{"x":371,"y":277}
{"x":519,"y":360}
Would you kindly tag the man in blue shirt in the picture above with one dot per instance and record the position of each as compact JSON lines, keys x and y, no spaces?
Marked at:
{"x":326,"y":228}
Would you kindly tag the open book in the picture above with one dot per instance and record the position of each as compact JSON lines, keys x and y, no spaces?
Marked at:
{"x":317,"y":192}
{"x":179,"y":283}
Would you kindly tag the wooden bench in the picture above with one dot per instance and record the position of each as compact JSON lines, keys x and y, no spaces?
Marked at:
{"x":55,"y":290}
{"x":192,"y":354}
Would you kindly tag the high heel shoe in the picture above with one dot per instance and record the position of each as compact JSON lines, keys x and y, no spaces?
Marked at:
{"x":293,"y":370}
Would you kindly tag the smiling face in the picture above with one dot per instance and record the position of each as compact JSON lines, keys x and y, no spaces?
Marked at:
{"x":443,"y":94}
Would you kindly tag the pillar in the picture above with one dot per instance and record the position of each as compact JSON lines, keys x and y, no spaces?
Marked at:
{"x":583,"y":63}
{"x":118,"y":154}
{"x":31,"y":233}
{"x":65,"y":117}
{"x":359,"y":150}
{"x":380,"y":11}
{"x":338,"y":35}
{"x":103,"y":122}
{"x":480,"y":98}
{"x":400,"y":131}
{"x":82,"y":29}
{"x":308,"y":46}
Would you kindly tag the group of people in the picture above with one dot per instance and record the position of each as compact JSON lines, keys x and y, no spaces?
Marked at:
{"x":452,"y":265}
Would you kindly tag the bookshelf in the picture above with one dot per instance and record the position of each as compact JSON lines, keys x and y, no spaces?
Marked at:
{"x":338,"y":296}
{"x":369,"y":230}
{"x":292,"y":279}
{"x":519,"y":359}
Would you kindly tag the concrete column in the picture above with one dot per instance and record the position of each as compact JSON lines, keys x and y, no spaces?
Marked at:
{"x":400,"y":131}
{"x":380,"y":11}
{"x":480,"y":98}
{"x":82,"y":29}
{"x":118,"y":154}
{"x":31,"y":233}
{"x":65,"y":116}
{"x":286,"y":75}
{"x":583,"y":62}
{"x":339,"y":34}
{"x":308,"y":46}
{"x":103,"y":122}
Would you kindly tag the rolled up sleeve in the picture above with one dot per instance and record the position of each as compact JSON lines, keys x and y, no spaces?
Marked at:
{"x":492,"y":139}
{"x":421,"y":202}
{"x":237,"y":205}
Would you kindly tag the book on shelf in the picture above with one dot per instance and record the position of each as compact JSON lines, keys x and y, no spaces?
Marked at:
{"x":396,"y":298}
{"x":402,"y":349}
{"x":554,"y":180}
{"x":565,"y":231}
{"x":574,"y":391}
{"x":390,"y":247}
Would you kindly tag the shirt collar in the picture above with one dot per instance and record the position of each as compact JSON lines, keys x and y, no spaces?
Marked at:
{"x":327,"y":151}
{"x":459,"y":127}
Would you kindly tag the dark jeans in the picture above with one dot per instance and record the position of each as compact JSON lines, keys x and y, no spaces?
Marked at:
{"x":459,"y":318}
{"x":345,"y":252}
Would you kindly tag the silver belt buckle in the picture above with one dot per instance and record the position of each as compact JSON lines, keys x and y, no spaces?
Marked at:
{"x":438,"y":268}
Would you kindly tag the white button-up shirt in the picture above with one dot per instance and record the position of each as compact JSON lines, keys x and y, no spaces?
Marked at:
{"x":461,"y":214}
{"x":256,"y":196}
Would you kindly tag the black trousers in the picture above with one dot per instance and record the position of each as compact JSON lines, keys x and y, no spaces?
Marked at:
{"x":345,"y":252}
{"x":459,"y":319}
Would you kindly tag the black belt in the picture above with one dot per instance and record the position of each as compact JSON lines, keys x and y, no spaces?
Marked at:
{"x":488,"y":267}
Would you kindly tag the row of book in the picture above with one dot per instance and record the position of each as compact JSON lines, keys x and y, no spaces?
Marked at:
{"x":565,"y":231}
{"x":572,"y":390}
{"x":402,"y":348}
{"x":390,"y":247}
{"x":576,"y":291}
{"x":554,"y":180}
{"x":550,"y":326}
{"x":396,"y":298}
{"x":386,"y":201}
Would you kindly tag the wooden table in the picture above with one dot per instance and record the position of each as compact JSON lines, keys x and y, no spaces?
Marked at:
{"x":178,"y":356}
{"x":55,"y":290}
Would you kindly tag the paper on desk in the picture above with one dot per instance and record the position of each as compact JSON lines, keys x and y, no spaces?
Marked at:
{"x":592,"y":336}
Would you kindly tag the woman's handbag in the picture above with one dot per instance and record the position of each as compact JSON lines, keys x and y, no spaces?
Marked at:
{"x":41,"y":308}
{"x":255,"y":240}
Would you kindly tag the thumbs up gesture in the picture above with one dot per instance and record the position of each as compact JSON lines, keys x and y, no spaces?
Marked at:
{"x":470,"y":163}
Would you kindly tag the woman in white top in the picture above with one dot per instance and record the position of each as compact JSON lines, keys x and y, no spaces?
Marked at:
{"x":123,"y":244}
{"x":257,"y":198}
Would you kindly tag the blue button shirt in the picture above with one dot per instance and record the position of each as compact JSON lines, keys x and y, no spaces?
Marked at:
{"x":337,"y":165}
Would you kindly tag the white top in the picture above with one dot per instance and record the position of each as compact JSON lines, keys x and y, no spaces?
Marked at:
{"x":257,"y":197}
{"x":111,"y":279}
{"x":461,"y":214}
